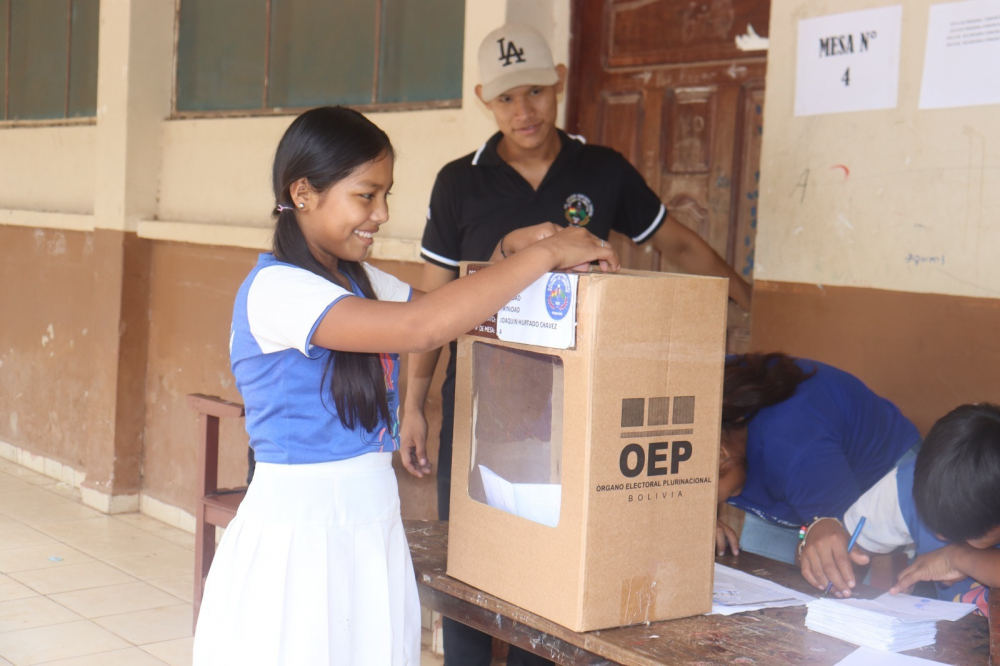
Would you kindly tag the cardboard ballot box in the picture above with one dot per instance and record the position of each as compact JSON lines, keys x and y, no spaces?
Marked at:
{"x":586,"y":448}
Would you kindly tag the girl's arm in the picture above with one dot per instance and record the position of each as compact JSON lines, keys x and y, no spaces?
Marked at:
{"x":427,"y":322}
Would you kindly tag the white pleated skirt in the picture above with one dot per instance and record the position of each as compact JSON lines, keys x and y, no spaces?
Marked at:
{"x":314,"y":570}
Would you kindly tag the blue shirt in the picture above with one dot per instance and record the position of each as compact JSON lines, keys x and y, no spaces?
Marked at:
{"x":815,"y":453}
{"x":290,"y":414}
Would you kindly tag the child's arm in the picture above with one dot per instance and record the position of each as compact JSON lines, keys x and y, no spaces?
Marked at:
{"x":364,"y":325}
{"x":690,"y":251}
{"x":419,"y":373}
{"x":824,"y":556}
{"x":825,"y":560}
{"x":515,"y":241}
{"x":724,"y":534}
{"x":951,"y":564}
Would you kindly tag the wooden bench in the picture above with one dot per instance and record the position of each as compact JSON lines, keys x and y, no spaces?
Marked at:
{"x":216,"y":506}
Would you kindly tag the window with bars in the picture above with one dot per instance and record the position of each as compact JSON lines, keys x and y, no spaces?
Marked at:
{"x":48,"y":59}
{"x":278,"y":56}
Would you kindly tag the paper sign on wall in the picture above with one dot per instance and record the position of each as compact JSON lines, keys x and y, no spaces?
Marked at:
{"x":962,"y":60}
{"x":848,"y":62}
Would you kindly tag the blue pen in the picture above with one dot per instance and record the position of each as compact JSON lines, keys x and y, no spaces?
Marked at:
{"x":854,"y":538}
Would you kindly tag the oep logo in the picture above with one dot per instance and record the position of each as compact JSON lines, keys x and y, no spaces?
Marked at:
{"x":558,"y":292}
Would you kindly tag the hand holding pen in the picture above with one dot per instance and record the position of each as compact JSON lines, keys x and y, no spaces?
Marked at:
{"x":825,"y":559}
{"x":850,"y":545}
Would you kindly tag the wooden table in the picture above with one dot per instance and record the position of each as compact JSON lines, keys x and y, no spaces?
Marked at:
{"x":772,"y":636}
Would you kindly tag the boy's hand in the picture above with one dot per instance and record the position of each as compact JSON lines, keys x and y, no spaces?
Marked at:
{"x":825,"y":558}
{"x":938,"y":565}
{"x":518,"y":239}
{"x":724,"y":534}
{"x":413,"y":443}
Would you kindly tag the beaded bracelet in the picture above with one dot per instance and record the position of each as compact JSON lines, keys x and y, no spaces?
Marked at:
{"x":804,"y":530}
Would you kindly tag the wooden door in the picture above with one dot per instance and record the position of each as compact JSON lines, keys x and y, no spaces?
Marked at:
{"x":664,"y":83}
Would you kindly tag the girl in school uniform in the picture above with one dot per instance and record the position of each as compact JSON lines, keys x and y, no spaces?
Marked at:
{"x":315,"y":567}
{"x":800,"y":440}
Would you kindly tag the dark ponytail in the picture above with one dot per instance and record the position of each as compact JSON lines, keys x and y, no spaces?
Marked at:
{"x":755,"y":381}
{"x":325,"y":145}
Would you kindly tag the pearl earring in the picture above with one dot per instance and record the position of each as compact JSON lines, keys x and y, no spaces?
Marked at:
{"x":301,"y":205}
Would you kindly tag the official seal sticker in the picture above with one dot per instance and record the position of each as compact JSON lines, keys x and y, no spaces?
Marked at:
{"x":579,"y":209}
{"x":558,"y":292}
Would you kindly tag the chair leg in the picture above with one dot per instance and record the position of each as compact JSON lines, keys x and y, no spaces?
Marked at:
{"x":994,"y":622}
{"x":204,"y":553}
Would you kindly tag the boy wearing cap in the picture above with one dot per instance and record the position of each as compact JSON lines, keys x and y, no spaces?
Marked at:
{"x":528,"y":180}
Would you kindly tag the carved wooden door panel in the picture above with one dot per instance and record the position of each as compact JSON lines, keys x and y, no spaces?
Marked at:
{"x":664,"y":83}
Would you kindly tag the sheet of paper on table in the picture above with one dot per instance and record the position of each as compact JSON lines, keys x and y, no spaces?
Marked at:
{"x":538,"y":502}
{"x":739,"y":592}
{"x":891,"y":623}
{"x":865,"y":656}
{"x":931,"y":609}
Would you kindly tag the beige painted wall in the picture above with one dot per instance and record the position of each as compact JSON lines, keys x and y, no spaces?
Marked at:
{"x":218,"y":171}
{"x":923,"y":184}
{"x":213,"y":175}
{"x":47,"y":169}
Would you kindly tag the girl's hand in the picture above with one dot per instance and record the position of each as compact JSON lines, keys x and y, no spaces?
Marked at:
{"x":413,"y":443}
{"x":937,"y":565}
{"x":575,"y":247}
{"x":724,"y":534}
{"x":517,"y":240}
{"x":825,"y":558}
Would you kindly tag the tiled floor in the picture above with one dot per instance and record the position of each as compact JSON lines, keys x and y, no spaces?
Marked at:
{"x":80,"y":588}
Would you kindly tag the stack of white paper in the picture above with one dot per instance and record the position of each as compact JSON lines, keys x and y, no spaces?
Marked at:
{"x":891,"y":623}
{"x":734,"y":591}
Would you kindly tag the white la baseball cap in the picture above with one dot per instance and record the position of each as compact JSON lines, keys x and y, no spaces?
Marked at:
{"x":514,"y":55}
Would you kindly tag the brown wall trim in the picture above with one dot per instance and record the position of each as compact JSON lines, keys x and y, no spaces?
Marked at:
{"x":926,"y":352}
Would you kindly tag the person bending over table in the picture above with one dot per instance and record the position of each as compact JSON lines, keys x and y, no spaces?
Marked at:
{"x":945,"y":505}
{"x":800,"y":440}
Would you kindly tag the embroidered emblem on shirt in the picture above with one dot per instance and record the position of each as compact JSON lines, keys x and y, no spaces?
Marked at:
{"x":579,"y":209}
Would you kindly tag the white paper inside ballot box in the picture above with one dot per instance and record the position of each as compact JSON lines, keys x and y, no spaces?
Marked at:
{"x":537,"y":502}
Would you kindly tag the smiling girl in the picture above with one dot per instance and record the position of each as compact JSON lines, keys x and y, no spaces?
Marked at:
{"x":315,"y":568}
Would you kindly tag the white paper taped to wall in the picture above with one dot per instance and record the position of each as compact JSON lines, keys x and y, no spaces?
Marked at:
{"x":848,"y":62}
{"x":537,"y":502}
{"x":962,"y":60}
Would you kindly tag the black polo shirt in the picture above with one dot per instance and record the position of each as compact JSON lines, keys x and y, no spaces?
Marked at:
{"x":479,"y":198}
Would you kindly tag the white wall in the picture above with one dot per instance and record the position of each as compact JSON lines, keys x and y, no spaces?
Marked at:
{"x":920,"y":210}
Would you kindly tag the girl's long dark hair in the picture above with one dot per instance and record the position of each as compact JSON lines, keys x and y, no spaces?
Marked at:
{"x":755,"y":381}
{"x":325,"y":145}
